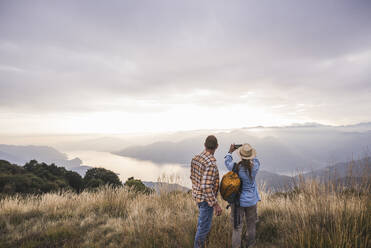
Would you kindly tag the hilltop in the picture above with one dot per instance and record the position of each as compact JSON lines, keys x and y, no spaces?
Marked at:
{"x":310,"y":216}
{"x":313,"y":213}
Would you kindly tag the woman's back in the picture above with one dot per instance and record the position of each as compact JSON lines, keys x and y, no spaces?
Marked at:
{"x":247,"y":171}
{"x":249,"y":194}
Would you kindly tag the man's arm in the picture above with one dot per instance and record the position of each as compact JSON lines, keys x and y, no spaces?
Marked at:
{"x":216,"y":181}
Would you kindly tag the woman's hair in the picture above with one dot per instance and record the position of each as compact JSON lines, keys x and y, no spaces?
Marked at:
{"x":247,"y":163}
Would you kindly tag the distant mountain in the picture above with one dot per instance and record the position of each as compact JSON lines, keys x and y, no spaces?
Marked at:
{"x":360,"y":127}
{"x":23,"y":154}
{"x":183,"y":151}
{"x":26,"y":153}
{"x":274,"y":182}
{"x":345,"y":174}
{"x":167,"y":187}
{"x":342,"y":171}
{"x":9,"y":157}
{"x":162,"y":152}
{"x":82,"y":169}
{"x":269,"y":181}
{"x":280,"y":149}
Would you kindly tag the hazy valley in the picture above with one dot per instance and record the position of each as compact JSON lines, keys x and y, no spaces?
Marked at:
{"x":283,"y":152}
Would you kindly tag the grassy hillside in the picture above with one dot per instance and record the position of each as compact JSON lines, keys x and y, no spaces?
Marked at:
{"x":311,"y":216}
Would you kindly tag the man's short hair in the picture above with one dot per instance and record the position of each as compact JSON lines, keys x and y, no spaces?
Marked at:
{"x":211,"y":142}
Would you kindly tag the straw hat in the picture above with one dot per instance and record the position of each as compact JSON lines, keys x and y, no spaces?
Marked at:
{"x":246,"y":151}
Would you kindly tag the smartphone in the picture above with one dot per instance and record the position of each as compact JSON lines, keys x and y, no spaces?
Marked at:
{"x":237,"y":146}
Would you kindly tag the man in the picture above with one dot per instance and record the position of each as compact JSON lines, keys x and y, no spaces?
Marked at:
{"x":205,"y":185}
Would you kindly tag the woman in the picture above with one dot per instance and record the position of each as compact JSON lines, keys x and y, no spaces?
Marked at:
{"x":248,"y":167}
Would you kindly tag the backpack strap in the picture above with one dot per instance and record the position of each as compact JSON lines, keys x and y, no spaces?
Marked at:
{"x":236,"y":212}
{"x":236,"y":168}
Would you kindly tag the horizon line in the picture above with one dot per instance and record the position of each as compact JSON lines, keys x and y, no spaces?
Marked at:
{"x":304,"y":124}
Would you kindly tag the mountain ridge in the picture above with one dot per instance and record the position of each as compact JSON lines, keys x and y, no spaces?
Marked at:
{"x":22,"y":154}
{"x":280,"y":150}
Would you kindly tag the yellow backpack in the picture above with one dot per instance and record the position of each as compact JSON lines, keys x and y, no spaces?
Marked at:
{"x":230,"y":186}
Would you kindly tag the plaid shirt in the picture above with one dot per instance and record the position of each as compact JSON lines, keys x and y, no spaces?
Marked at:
{"x":205,"y":178}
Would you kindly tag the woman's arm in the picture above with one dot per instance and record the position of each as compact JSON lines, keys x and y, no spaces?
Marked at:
{"x":256,"y":164}
{"x":228,"y":159}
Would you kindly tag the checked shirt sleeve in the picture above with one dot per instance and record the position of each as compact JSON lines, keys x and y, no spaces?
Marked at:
{"x":210,"y":183}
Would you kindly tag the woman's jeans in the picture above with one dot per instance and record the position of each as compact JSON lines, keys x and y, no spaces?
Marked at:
{"x":248,"y":214}
{"x":205,"y":217}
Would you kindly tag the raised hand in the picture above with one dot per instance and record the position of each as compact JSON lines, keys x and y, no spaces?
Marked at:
{"x":232,"y":148}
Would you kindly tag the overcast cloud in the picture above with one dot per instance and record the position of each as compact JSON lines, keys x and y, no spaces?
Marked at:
{"x":311,"y":59}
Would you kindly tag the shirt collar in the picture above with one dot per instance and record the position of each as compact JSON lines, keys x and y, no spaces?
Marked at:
{"x":208,"y":154}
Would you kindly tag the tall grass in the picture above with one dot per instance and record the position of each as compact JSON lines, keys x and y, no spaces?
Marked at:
{"x":311,"y":216}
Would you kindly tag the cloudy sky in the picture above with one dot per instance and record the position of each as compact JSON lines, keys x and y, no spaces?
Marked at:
{"x":145,"y":66}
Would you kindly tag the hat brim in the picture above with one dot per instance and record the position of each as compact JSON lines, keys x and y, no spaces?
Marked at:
{"x":253,"y":154}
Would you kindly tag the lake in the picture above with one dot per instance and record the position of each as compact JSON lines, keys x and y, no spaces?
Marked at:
{"x":129,"y":167}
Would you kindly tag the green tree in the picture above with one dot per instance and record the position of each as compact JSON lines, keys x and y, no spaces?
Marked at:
{"x":75,"y":180}
{"x":36,"y":178}
{"x":97,"y":177}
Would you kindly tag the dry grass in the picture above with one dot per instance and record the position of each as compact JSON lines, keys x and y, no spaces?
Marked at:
{"x":313,"y":216}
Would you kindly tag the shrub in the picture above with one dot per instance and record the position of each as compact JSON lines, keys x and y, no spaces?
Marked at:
{"x":75,"y":180}
{"x":97,"y":177}
{"x":36,"y":178}
{"x":137,"y":186}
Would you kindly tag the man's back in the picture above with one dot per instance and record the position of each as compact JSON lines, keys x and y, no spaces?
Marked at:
{"x":205,"y":186}
{"x":205,"y":178}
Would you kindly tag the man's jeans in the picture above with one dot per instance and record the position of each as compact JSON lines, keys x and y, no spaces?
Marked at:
{"x":205,"y":217}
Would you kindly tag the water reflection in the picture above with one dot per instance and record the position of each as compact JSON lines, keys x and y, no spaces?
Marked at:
{"x":128,"y":167}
